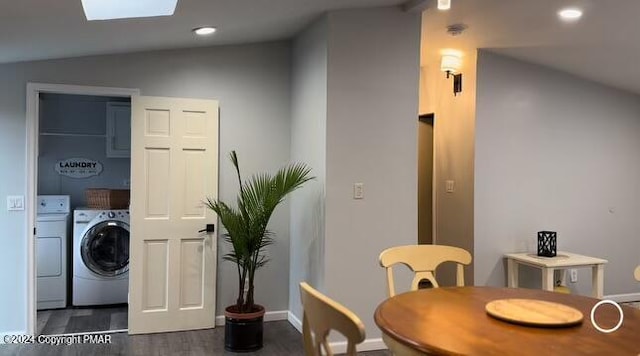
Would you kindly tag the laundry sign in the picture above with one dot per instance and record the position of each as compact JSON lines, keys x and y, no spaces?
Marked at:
{"x":78,"y":167}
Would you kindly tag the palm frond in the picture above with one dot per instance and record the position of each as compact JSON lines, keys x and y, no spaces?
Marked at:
{"x":246,"y":225}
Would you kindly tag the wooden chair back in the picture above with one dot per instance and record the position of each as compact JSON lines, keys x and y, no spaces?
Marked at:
{"x":321,"y":315}
{"x":423,"y":261}
{"x":636,"y":273}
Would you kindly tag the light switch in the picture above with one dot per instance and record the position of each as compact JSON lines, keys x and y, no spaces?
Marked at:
{"x":358,"y":191}
{"x":450,"y":186}
{"x":15,"y":202}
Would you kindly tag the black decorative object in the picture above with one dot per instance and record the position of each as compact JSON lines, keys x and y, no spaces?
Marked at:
{"x":547,"y":243}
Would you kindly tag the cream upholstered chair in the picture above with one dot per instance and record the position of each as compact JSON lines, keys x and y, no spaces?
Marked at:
{"x":321,"y":315}
{"x":423,"y":260}
{"x":636,"y":273}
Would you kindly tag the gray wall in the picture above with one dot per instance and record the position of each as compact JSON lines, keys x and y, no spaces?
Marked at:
{"x":354,"y":117}
{"x":252,"y":83}
{"x":308,"y":144}
{"x":372,"y":123}
{"x":555,"y":152}
{"x":76,"y":114}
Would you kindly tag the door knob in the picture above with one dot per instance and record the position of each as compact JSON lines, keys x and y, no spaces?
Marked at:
{"x":210,"y":228}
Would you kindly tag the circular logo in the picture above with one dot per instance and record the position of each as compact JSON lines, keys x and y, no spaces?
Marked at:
{"x":593,"y":320}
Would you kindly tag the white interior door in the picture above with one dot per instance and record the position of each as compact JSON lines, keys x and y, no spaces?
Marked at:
{"x":174,"y":167}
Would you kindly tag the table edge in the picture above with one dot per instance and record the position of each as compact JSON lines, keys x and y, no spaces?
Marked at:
{"x":408,"y":343}
{"x":430,"y":349}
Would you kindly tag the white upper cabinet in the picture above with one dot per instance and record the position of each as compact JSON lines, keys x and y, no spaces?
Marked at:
{"x":118,"y":130}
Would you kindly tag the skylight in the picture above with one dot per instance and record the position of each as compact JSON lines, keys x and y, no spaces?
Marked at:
{"x":124,"y":9}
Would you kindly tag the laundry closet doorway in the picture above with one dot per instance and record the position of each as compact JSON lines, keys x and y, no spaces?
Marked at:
{"x":82,"y":223}
{"x":174,"y":166}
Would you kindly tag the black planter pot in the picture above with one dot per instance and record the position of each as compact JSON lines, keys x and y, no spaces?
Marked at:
{"x":243,"y":331}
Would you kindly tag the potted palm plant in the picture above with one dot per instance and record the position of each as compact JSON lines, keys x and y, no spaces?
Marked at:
{"x":246,"y":231}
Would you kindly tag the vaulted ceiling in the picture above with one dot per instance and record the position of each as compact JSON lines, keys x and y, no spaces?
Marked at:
{"x":603,"y":46}
{"x":43,"y":29}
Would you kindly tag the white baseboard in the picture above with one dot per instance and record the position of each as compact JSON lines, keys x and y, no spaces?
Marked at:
{"x":294,"y":321}
{"x":3,"y":334}
{"x":340,"y":347}
{"x":623,"y":298}
{"x":268,"y":316}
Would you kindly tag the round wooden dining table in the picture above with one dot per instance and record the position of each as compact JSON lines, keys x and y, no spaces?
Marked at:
{"x":453,"y":321}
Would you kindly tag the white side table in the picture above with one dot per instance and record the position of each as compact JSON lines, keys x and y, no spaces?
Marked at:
{"x":547,"y":265}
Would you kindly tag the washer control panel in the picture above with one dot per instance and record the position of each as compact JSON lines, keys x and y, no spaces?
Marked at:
{"x":112,"y":214}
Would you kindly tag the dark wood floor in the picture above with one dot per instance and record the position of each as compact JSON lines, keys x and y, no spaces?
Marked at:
{"x":280,"y":339}
{"x":77,"y":320}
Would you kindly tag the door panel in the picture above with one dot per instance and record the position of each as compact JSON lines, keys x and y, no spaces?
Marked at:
{"x":156,"y":264}
{"x":174,"y":168}
{"x":196,"y":184}
{"x":157,"y":169}
{"x":192,"y":259}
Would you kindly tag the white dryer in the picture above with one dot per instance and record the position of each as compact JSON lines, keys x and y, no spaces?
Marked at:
{"x":100,"y":257}
{"x":52,"y":237}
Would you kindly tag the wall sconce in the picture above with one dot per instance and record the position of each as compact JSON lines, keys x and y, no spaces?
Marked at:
{"x":451,"y":64}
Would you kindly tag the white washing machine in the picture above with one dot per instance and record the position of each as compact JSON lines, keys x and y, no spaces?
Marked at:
{"x":52,"y":237}
{"x":100,"y":257}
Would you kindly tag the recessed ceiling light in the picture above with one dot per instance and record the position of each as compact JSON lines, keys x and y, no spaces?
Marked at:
{"x":203,"y":31}
{"x":123,"y":9}
{"x":444,"y":4}
{"x":570,"y":14}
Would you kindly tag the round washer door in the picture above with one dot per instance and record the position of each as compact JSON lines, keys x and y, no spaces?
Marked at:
{"x":105,"y":248}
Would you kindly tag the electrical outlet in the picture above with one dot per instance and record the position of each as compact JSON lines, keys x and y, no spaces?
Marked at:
{"x":450,"y":186}
{"x":573,"y":275}
{"x":358,"y":190}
